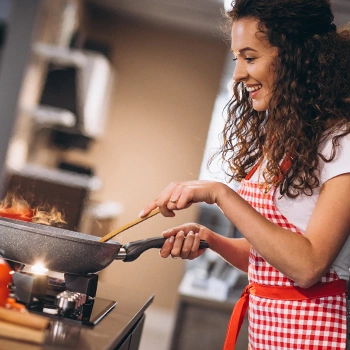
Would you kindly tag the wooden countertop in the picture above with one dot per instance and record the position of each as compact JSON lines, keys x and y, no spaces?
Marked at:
{"x":107,"y":334}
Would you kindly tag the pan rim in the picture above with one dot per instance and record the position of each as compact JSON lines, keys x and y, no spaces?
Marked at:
{"x":40,"y":229}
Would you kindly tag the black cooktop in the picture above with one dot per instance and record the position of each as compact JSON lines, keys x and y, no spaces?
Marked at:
{"x":89,"y":314}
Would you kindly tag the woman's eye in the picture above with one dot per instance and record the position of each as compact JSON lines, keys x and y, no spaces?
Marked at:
{"x":248,"y":59}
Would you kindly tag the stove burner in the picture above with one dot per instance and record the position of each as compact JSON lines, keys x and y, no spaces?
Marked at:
{"x":70,"y":299}
{"x":28,"y":287}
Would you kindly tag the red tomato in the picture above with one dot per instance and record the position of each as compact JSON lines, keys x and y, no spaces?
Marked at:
{"x":5,"y":279}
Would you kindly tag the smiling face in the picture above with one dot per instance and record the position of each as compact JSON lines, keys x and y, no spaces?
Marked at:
{"x":254,"y":57}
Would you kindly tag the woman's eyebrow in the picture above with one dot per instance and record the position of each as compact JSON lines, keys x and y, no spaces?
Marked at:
{"x":244,"y":50}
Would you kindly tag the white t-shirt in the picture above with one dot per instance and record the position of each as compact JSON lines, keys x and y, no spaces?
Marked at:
{"x":298,"y":210}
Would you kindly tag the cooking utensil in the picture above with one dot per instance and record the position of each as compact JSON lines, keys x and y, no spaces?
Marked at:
{"x":125,"y":227}
{"x":24,"y":319}
{"x":14,"y":331}
{"x":66,"y":251}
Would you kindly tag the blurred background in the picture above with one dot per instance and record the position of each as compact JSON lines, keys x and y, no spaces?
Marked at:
{"x":103,"y":104}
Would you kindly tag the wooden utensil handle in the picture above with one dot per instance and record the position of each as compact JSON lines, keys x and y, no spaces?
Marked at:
{"x":125,"y":227}
{"x":23,"y":319}
{"x":12,"y":331}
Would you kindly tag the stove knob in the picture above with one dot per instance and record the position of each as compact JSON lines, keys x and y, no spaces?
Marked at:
{"x":65,"y":302}
{"x":70,"y":300}
{"x":77,"y":297}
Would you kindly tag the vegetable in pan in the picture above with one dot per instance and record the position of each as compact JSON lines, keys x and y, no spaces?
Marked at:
{"x":15,"y":207}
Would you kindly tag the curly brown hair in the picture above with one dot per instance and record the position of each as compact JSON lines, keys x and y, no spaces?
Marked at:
{"x":310,"y":99}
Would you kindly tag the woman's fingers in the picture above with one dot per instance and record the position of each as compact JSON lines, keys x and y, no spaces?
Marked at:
{"x":167,"y":247}
{"x":181,"y":195}
{"x":186,"y":228}
{"x":187,"y":245}
{"x":174,"y":197}
{"x":196,"y":243}
{"x":182,"y":242}
{"x":147,"y":209}
{"x":179,"y":240}
{"x":164,"y":210}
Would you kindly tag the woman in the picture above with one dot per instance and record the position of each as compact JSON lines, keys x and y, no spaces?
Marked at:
{"x":287,"y":139}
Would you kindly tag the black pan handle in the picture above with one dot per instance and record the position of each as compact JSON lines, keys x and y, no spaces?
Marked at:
{"x":134,"y":249}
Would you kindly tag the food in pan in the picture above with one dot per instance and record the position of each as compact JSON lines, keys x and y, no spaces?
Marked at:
{"x":15,"y":207}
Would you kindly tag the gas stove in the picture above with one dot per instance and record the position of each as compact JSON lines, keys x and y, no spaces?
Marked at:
{"x":60,"y":296}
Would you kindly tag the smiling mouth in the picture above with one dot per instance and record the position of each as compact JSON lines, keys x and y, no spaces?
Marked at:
{"x":253,"y":88}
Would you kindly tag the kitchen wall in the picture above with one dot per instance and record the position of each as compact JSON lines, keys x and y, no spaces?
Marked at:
{"x":165,"y":85}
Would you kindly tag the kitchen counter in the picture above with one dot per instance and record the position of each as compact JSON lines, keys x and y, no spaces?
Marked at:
{"x":120,"y":329}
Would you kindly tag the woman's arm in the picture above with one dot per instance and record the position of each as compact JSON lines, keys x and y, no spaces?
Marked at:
{"x":303,"y":258}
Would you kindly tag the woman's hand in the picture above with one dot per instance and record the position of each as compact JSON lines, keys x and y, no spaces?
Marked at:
{"x":183,"y":241}
{"x":181,"y":195}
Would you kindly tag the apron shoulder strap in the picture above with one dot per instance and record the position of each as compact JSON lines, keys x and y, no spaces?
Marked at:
{"x":285,"y":166}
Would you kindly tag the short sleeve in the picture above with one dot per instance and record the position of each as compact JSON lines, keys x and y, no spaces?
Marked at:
{"x":340,"y":164}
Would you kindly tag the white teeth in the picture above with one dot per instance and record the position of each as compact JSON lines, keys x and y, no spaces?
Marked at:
{"x":253,"y":88}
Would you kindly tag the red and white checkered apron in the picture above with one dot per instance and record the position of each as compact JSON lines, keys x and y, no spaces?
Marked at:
{"x":315,"y":323}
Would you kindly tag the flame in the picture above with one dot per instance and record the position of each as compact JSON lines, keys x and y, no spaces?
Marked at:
{"x":39,"y":268}
{"x":51,"y":217}
{"x":16,"y":207}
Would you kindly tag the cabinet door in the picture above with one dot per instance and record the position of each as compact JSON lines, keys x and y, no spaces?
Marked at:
{"x":201,"y":326}
{"x":136,"y":334}
{"x":132,"y":342}
{"x":125,"y":345}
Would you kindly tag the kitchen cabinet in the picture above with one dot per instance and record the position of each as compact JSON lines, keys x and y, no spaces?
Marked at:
{"x":14,"y":57}
{"x":201,"y":323}
{"x":65,"y":191}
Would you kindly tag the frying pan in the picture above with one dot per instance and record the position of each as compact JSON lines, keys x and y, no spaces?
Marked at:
{"x":64,"y":250}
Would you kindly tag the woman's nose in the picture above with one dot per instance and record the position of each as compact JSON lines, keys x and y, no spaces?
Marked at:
{"x":239,"y":72}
